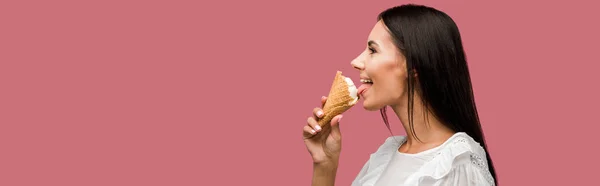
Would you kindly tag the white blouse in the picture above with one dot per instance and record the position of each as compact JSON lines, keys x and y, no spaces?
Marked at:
{"x":460,"y":160}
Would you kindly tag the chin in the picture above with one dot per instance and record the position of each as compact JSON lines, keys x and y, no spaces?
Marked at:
{"x":371,"y":107}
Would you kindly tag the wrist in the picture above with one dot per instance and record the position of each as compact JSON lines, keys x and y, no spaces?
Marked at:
{"x":331,"y":164}
{"x":324,"y":174}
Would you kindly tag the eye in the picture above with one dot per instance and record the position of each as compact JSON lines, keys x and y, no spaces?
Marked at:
{"x":372,"y":50}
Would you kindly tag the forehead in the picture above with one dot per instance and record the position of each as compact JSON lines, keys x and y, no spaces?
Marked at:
{"x":380,"y":34}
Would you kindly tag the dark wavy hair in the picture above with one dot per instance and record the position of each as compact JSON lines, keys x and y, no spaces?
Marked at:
{"x":431,"y":43}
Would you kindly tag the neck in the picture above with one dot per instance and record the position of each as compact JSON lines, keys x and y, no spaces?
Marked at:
{"x":427,"y":128}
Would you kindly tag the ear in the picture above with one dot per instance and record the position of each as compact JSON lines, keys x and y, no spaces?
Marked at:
{"x":414,"y":71}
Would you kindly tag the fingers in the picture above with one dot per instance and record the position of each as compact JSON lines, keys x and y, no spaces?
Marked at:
{"x":318,"y":112}
{"x":308,"y":132}
{"x":313,"y":124}
{"x":312,"y":127}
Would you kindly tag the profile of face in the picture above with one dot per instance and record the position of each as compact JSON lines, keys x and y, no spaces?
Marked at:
{"x":382,"y":69}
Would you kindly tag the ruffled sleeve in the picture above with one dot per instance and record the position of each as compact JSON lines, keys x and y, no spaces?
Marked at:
{"x":461,"y":162}
{"x":465,"y":175}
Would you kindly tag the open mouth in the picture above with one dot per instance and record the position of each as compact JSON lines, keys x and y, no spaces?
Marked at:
{"x":366,"y":84}
{"x":366,"y":81}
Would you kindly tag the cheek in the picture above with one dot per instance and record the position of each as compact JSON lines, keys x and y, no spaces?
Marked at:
{"x":393,"y":73}
{"x":388,"y":75}
{"x":395,"y":88}
{"x":382,"y":68}
{"x":393,"y":83}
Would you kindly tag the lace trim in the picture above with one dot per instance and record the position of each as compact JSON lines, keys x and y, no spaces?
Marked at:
{"x":483,"y":167}
{"x":479,"y":162}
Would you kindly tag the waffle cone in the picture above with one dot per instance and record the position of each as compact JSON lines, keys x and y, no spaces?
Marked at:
{"x":338,"y":100}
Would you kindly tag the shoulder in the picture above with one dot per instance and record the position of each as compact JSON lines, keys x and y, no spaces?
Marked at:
{"x":391,"y":142}
{"x":458,"y":157}
{"x":462,"y":144}
{"x":459,"y":143}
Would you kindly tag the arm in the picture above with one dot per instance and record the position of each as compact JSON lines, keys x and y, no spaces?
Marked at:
{"x":324,"y":145}
{"x":324,"y":174}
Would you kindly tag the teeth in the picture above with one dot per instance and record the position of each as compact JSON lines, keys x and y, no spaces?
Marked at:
{"x":366,"y":81}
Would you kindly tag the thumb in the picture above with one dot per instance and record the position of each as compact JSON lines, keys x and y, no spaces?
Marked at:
{"x":335,"y":127}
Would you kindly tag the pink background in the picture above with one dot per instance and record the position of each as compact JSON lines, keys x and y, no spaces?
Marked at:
{"x":217,"y":93}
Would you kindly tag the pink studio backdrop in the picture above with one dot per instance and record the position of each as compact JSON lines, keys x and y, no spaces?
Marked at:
{"x":216,"y":93}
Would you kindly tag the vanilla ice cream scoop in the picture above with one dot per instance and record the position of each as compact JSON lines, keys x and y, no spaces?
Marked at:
{"x":352,"y":90}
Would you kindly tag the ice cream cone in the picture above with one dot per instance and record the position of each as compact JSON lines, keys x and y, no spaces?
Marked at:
{"x":342,"y":96}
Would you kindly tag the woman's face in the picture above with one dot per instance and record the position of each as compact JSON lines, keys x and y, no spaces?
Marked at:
{"x":382,"y":71}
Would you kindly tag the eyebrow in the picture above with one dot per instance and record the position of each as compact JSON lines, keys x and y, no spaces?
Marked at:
{"x":372,"y":43}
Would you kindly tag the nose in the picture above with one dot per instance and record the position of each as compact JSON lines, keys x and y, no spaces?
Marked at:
{"x":358,"y":63}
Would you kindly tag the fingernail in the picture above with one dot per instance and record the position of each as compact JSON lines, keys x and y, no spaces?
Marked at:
{"x":312,"y":131}
{"x":322,"y":97}
{"x":318,"y":127}
{"x":340,"y":119}
{"x":319,"y":113}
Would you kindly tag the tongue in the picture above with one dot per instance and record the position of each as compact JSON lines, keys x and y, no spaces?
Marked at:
{"x":363,"y":88}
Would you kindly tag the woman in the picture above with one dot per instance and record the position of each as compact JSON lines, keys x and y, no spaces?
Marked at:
{"x":414,"y":63}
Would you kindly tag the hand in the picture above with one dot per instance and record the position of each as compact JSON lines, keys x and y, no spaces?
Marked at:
{"x":324,"y":144}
